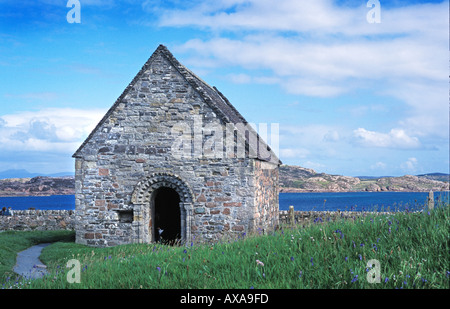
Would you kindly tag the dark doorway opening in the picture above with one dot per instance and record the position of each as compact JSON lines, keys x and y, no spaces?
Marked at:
{"x":167,"y":215}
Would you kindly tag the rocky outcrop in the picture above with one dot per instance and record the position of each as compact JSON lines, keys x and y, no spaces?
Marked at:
{"x":37,"y":186}
{"x":407,"y":183}
{"x":299,"y":179}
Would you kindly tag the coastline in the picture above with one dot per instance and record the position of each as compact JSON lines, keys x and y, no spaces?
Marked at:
{"x":291,"y":180}
{"x":298,"y":190}
{"x":282,"y":190}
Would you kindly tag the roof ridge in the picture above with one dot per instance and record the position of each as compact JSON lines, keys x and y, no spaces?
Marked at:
{"x":196,"y":82}
{"x":235,"y":116}
{"x":211,"y":95}
{"x":224,"y":98}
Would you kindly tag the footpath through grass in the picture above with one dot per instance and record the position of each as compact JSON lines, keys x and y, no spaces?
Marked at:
{"x":412,"y":250}
{"x":12,"y":242}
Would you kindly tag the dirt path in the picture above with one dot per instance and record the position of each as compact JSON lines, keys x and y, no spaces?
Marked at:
{"x":28,"y":264}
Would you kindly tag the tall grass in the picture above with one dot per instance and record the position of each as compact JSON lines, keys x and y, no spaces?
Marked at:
{"x":412,"y":249}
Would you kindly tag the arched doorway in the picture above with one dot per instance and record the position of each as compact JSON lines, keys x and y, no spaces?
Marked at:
{"x":166,"y":215}
{"x":144,"y":197}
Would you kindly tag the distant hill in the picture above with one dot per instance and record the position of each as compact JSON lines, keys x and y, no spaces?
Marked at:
{"x":37,"y":186}
{"x":437,"y":176}
{"x":292,"y":179}
{"x":21,"y":173}
{"x":299,"y":179}
{"x":432,"y":176}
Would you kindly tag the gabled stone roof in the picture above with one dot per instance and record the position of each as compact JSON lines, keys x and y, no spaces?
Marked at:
{"x":211,"y":95}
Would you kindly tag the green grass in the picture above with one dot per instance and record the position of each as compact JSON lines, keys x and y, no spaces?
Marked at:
{"x":412,"y":249}
{"x":12,"y":242}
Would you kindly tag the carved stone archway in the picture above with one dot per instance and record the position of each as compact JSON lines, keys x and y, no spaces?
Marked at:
{"x":143,"y":200}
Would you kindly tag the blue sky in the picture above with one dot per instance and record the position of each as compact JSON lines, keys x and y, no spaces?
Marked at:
{"x":350,"y":97}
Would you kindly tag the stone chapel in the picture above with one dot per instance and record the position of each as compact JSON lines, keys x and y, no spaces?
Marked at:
{"x":172,"y":160}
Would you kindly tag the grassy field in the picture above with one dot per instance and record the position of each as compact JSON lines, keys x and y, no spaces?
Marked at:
{"x":12,"y":242}
{"x":412,"y":250}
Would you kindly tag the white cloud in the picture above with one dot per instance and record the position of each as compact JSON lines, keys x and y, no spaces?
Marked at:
{"x":396,"y":138}
{"x":378,"y":166}
{"x":309,"y":134}
{"x":294,"y":153}
{"x":240,"y":78}
{"x":410,"y":165}
{"x":318,"y":17}
{"x":321,"y":49}
{"x":287,"y":15}
{"x":314,"y":165}
{"x":331,"y":136}
{"x":327,"y":69}
{"x":309,"y":143}
{"x":428,"y":114}
{"x":53,"y":129}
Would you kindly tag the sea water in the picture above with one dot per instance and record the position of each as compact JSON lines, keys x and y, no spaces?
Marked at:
{"x":356,"y":201}
{"x":52,"y":202}
{"x":359,"y":201}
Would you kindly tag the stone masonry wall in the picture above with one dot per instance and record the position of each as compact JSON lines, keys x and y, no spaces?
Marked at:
{"x":40,"y":220}
{"x":223,"y":199}
{"x":266,"y":215}
{"x":136,"y":140}
{"x":28,"y":220}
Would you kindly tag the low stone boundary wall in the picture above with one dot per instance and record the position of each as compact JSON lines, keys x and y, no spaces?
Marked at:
{"x":40,"y":220}
{"x":303,"y":217}
{"x":48,"y":220}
